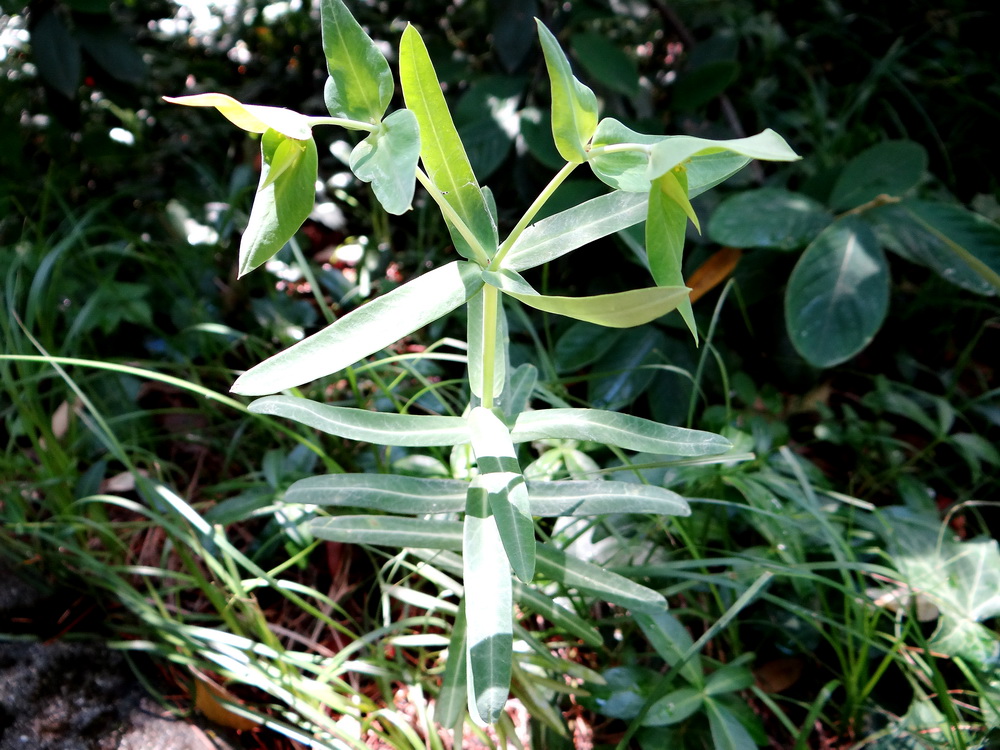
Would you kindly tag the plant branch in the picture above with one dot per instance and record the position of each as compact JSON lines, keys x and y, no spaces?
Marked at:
{"x":482,"y":258}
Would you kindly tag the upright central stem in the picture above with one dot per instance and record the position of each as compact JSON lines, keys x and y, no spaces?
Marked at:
{"x":491,"y":303}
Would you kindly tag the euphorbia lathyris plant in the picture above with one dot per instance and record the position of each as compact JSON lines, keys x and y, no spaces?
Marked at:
{"x":490,"y":519}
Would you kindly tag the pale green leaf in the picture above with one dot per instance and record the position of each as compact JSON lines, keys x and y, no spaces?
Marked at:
{"x":441,"y":149}
{"x":587,"y":578}
{"x":387,"y":159}
{"x":489,"y":610}
{"x":618,"y":310}
{"x":283,"y":202}
{"x":389,"y":531}
{"x":389,"y":493}
{"x":669,"y":210}
{"x":360,"y":83}
{"x":613,"y":428}
{"x":574,"y":106}
{"x":454,"y":687}
{"x":380,"y":428}
{"x":564,"y":232}
{"x":594,"y":498}
{"x":838,"y":293}
{"x":253,"y":118}
{"x":677,"y":149}
{"x":366,"y":330}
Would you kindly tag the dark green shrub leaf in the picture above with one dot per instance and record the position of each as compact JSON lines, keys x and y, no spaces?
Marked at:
{"x":606,"y":62}
{"x":696,"y":87}
{"x":388,"y":159}
{"x":580,"y":345}
{"x":962,"y":246}
{"x":672,"y":641}
{"x":838,"y":294}
{"x":727,"y":731}
{"x":360,"y":83}
{"x":674,"y":707}
{"x":513,"y":30}
{"x":113,"y":51}
{"x":574,"y":106}
{"x":282,"y":203}
{"x":624,"y":692}
{"x":770,"y":218}
{"x":620,"y":376}
{"x":56,"y":52}
{"x":889,"y":168}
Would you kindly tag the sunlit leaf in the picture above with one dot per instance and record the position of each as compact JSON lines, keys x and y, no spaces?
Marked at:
{"x":618,"y":310}
{"x":674,"y":150}
{"x":669,"y":210}
{"x":574,"y":106}
{"x":283,"y":202}
{"x":838,"y":294}
{"x":360,"y":83}
{"x":253,"y":118}
{"x":613,"y":428}
{"x":388,"y":158}
{"x":365,"y":330}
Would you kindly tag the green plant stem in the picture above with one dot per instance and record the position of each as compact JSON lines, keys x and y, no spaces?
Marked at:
{"x":491,"y":302}
{"x":482,"y":257}
{"x":343,"y":122}
{"x":533,"y":209}
{"x":619,"y":148}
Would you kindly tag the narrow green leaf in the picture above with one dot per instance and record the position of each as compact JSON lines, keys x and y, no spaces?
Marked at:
{"x":612,"y":428}
{"x":556,"y":565}
{"x":360,"y":83}
{"x":388,"y":158}
{"x":365,"y":330}
{"x":476,"y":329}
{"x":254,"y":118}
{"x":675,"y":150}
{"x":574,"y":106}
{"x":489,"y":610}
{"x":674,"y":707}
{"x":441,"y":149}
{"x":389,"y":493}
{"x":838,"y":294}
{"x":669,"y":210}
{"x":727,"y":732}
{"x":454,"y":683}
{"x":566,"y":620}
{"x":889,"y":168}
{"x":508,"y":496}
{"x":517,"y":395}
{"x":282,"y":203}
{"x":769,"y":217}
{"x":380,"y":428}
{"x":564,"y":232}
{"x":624,"y":372}
{"x":729,"y":678}
{"x":389,"y":531}
{"x":595,"y":498}
{"x":618,"y":310}
{"x":672,"y":642}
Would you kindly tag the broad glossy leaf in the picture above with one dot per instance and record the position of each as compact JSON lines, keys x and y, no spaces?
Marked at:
{"x":669,"y":210}
{"x":674,"y":707}
{"x":697,"y":85}
{"x":962,"y":246}
{"x":581,"y":345}
{"x":380,"y":428}
{"x":618,"y":310}
{"x":674,"y":150}
{"x":727,"y":731}
{"x":360,"y":83}
{"x":111,"y":48}
{"x":556,"y":565}
{"x":56,"y":53}
{"x":566,"y":620}
{"x":564,"y":232}
{"x":595,"y":498}
{"x":283,"y":202}
{"x":389,"y":531}
{"x":253,"y":118}
{"x":389,"y":493}
{"x":769,"y":217}
{"x":889,"y":168}
{"x":441,"y":149}
{"x":476,"y":314}
{"x":672,"y":642}
{"x":508,"y":496}
{"x":838,"y":294}
{"x":452,"y":698}
{"x":365,"y":330}
{"x":489,"y":610}
{"x":623,"y":170}
{"x":574,"y":106}
{"x":612,"y":428}
{"x":624,"y":371}
{"x":388,"y":158}
{"x":606,"y":62}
